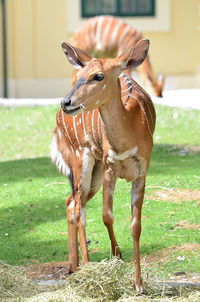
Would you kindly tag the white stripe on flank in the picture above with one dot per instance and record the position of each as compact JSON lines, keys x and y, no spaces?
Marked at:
{"x":86,"y":37}
{"x":146,"y":102}
{"x":105,"y":33}
{"x":98,"y":32}
{"x":144,"y":113}
{"x":74,"y":123}
{"x":93,"y":21}
{"x":84,"y":130}
{"x":123,"y":35}
{"x":115,"y":32}
{"x":93,"y":133}
{"x":99,"y":127}
{"x":68,"y":136}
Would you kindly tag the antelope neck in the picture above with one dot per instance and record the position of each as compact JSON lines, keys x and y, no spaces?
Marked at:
{"x":115,"y":119}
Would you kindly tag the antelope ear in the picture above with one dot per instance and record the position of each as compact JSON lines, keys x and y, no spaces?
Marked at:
{"x":134,"y":57}
{"x":76,"y":56}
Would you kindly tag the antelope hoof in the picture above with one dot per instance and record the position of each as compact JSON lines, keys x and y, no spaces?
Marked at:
{"x":117,"y":253}
{"x":71,"y":268}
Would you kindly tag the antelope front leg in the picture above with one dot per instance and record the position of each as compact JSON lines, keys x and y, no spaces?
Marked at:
{"x":108,"y":190}
{"x":72,"y":234}
{"x":137,"y":195}
{"x":82,"y":236}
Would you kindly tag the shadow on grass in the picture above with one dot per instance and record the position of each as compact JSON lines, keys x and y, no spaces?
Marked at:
{"x":24,"y":169}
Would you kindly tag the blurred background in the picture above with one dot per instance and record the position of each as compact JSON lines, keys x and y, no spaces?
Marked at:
{"x":31,"y":60}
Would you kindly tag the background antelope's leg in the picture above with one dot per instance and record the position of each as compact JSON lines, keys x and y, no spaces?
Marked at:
{"x":146,"y":72}
{"x":137,"y":195}
{"x":72,"y":234}
{"x":108,"y":190}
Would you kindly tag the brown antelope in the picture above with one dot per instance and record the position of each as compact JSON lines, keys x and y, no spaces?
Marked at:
{"x":108,"y":36}
{"x":103,"y":131}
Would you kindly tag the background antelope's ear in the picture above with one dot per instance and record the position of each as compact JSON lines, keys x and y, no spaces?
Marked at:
{"x":134,"y":57}
{"x":76,"y":56}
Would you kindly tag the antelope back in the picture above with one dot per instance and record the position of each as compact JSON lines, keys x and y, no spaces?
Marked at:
{"x":105,"y":36}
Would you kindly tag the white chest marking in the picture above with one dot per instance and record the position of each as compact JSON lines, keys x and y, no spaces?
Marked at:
{"x":123,"y":155}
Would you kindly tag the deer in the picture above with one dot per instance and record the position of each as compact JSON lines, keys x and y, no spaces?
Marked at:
{"x":104,"y":130}
{"x":108,"y":36}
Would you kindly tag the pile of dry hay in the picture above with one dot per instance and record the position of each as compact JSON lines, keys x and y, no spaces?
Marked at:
{"x":108,"y":280}
{"x":13,"y":282}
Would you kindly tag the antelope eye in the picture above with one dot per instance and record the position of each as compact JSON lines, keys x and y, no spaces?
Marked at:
{"x":98,"y":77}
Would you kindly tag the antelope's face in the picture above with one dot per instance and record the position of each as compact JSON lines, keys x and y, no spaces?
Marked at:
{"x":89,"y":90}
{"x":97,"y":78}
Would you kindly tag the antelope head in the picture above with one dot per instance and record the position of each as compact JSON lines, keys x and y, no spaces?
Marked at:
{"x":97,"y":78}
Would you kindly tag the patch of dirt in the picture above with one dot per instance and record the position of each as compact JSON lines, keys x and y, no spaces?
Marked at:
{"x":47,"y":271}
{"x":174,"y":195}
{"x":185,"y":225}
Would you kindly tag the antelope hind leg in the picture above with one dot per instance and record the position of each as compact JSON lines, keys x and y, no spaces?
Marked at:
{"x":72,"y":234}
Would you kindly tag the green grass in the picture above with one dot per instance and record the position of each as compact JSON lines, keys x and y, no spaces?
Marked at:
{"x":33,"y":221}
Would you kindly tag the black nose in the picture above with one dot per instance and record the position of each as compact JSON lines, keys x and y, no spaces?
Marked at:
{"x":65,"y":103}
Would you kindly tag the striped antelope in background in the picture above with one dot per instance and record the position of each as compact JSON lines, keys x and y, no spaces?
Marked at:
{"x":103,"y":131}
{"x":108,"y":36}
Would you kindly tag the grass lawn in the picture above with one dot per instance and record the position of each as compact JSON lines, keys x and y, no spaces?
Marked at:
{"x":33,"y":223}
